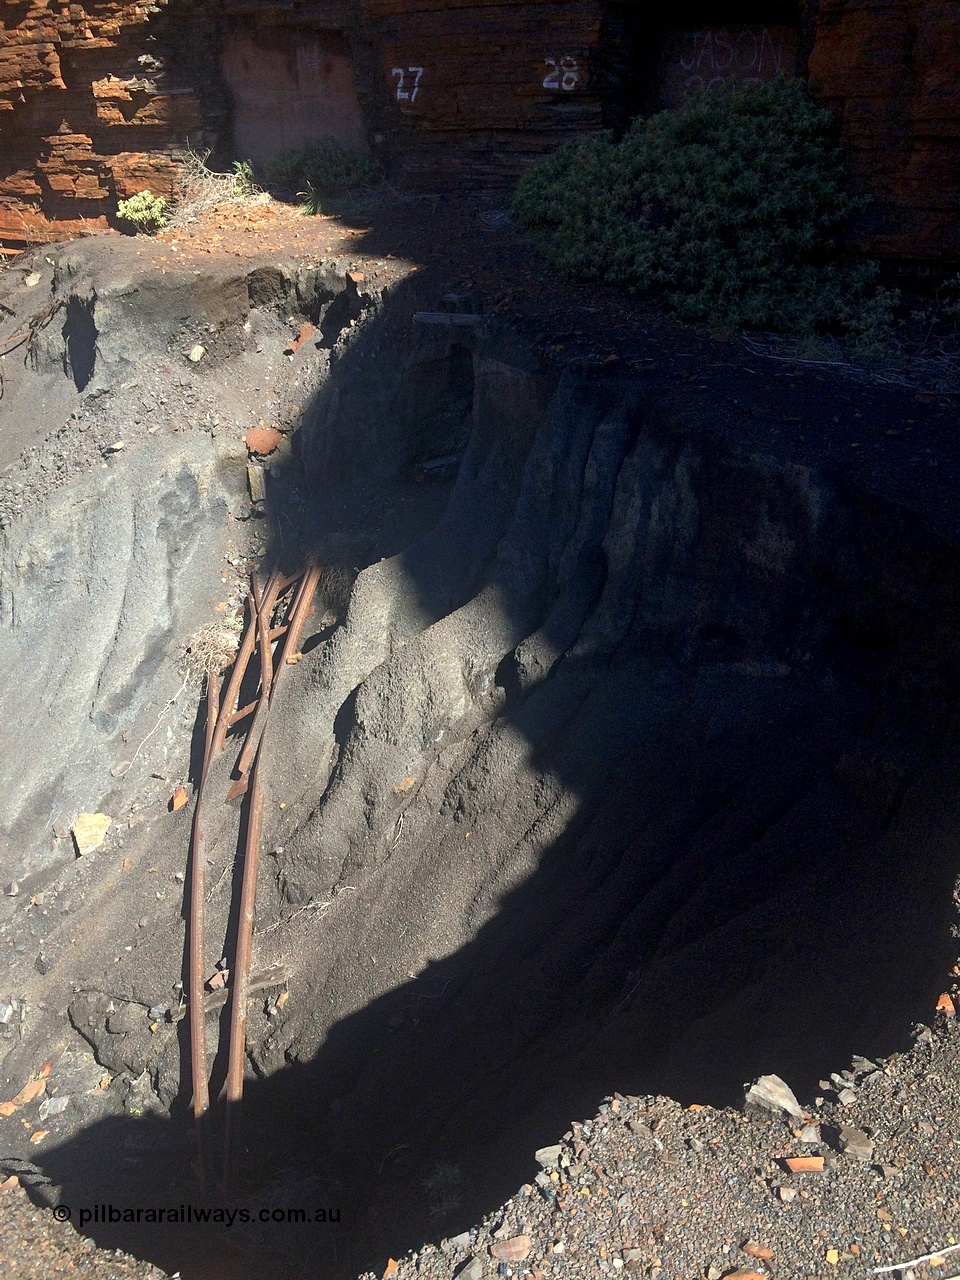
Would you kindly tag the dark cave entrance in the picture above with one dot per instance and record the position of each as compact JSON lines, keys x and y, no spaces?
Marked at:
{"x":650,"y":62}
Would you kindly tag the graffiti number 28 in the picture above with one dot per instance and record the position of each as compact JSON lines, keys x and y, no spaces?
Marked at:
{"x":407,"y":88}
{"x":564,"y":74}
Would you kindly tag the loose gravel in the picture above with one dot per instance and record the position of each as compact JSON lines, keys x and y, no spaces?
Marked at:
{"x":673,"y":1192}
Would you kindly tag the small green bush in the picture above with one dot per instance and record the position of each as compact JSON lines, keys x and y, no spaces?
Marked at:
{"x":147,"y":212}
{"x":320,"y":170}
{"x":244,"y":183}
{"x":728,"y":209}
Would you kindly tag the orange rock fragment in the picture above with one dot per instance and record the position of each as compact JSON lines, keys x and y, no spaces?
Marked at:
{"x":263,"y":440}
{"x":9,"y":1183}
{"x":405,"y":785}
{"x":391,"y":1268}
{"x":307,"y":331}
{"x":805,"y":1164}
{"x":30,"y":1091}
{"x":946,"y":1006}
{"x":745,"y":1273}
{"x":178,"y":799}
{"x":39,"y":1135}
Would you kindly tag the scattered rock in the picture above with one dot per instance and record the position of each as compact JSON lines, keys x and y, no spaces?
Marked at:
{"x":639,"y":1128}
{"x":178,"y":799}
{"x":548,"y":1157}
{"x":773,"y":1094}
{"x":946,"y":1006}
{"x":116,"y":447}
{"x":32,"y":280}
{"x":120,"y":769}
{"x":855,"y":1143}
{"x":810,"y":1133}
{"x":513,"y":1250}
{"x":89,"y":831}
{"x":787,"y":1194}
{"x":196,"y":353}
{"x":847,"y":1097}
{"x":472,"y":1269}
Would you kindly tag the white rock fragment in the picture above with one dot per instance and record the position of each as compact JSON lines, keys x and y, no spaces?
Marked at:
{"x":773,"y":1094}
{"x":53,"y":1106}
{"x":196,"y":353}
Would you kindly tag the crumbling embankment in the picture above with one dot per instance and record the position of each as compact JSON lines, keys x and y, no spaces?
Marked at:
{"x":619,"y":756}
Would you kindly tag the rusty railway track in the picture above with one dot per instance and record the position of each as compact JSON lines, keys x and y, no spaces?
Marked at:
{"x":260,"y":636}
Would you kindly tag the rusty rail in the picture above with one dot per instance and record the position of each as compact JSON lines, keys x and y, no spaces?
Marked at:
{"x":199,"y":1066}
{"x":237,"y":1044}
{"x":260,"y":635}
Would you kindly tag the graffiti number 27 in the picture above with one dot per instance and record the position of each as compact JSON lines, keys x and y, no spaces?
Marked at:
{"x":407,"y":88}
{"x":564,"y":74}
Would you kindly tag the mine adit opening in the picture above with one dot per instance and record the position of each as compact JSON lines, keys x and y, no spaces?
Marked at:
{"x":627,"y":763}
{"x":647,"y":62}
{"x":291,"y":83}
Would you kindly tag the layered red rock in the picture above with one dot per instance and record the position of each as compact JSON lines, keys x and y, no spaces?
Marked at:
{"x":891,"y":73}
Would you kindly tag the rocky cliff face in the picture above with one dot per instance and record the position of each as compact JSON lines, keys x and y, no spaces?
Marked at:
{"x":92,"y":101}
{"x":891,"y":73}
{"x":97,"y":98}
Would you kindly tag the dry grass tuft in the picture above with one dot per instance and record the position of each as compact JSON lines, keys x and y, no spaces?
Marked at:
{"x":210,"y":649}
{"x":334,"y":589}
{"x":202,"y":189}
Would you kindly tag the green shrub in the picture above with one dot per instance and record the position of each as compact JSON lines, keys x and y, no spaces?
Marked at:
{"x":320,"y":170}
{"x":728,"y":209}
{"x":244,"y":183}
{"x":147,"y":212}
